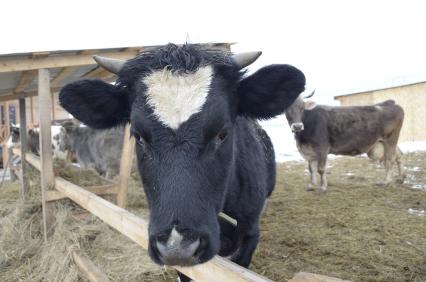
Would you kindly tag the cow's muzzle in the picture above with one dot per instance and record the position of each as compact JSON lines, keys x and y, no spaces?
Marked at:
{"x":178,"y":249}
{"x":297,"y":127}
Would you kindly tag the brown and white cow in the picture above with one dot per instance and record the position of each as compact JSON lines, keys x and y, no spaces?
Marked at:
{"x":321,"y":130}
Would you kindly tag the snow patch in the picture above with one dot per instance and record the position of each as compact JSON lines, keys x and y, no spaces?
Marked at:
{"x":417,"y":212}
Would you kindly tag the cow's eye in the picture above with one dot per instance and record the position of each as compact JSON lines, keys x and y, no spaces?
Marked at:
{"x":221,"y":136}
{"x":139,"y":139}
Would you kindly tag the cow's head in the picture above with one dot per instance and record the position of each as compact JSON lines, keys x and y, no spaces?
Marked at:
{"x":67,"y":129}
{"x":294,"y":113}
{"x":15,"y":133}
{"x":182,"y":103}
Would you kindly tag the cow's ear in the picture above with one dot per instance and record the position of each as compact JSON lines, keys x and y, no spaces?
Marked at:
{"x":309,"y":105}
{"x":269,"y":91}
{"x":96,"y":103}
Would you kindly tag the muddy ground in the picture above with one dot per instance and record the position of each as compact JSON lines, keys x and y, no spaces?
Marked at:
{"x":357,"y":230}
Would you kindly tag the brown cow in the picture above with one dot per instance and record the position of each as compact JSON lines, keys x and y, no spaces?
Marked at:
{"x":322,"y":130}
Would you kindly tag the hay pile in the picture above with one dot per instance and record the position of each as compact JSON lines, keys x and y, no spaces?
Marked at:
{"x":25,"y":257}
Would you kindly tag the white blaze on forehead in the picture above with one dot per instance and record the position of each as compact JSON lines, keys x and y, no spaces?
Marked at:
{"x":175,"y":97}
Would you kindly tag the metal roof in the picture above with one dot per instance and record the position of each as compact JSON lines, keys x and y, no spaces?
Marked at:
{"x":18,"y":72}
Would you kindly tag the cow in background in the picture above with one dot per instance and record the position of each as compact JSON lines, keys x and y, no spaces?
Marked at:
{"x":321,"y":130}
{"x":199,"y":148}
{"x":93,"y":148}
{"x":33,"y":141}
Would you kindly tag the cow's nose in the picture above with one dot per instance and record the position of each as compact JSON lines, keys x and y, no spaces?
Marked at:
{"x":178,"y":249}
{"x":296,"y":127}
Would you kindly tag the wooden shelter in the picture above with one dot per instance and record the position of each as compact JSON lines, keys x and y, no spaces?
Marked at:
{"x":411,"y":97}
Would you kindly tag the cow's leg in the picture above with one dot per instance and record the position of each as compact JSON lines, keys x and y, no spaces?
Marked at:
{"x":401,"y":172}
{"x":389,"y":156}
{"x":313,"y":169}
{"x":249,"y":238}
{"x":322,"y":165}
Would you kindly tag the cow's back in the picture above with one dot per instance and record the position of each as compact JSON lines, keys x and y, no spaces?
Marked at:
{"x":349,"y":130}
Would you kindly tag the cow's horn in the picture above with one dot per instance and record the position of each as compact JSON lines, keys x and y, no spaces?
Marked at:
{"x":112,"y":65}
{"x":310,"y":95}
{"x":245,"y":59}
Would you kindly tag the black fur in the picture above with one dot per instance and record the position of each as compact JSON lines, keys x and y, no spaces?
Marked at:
{"x":96,"y":103}
{"x":218,"y":160}
{"x":269,"y":91}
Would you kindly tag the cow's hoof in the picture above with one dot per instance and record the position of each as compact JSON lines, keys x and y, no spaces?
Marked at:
{"x":309,"y":189}
{"x":322,"y":190}
{"x":400,"y":180}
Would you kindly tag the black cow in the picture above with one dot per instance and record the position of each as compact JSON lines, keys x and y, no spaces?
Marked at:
{"x":322,"y":130}
{"x":200,"y":150}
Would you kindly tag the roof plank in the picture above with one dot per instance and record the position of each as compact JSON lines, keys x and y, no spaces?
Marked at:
{"x":60,"y":61}
{"x":24,"y":81}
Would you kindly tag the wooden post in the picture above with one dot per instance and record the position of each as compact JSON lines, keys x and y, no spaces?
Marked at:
{"x":6,"y":132}
{"x":23,"y":137}
{"x":126,"y":164}
{"x":47,"y":176}
{"x":32,"y":111}
{"x":90,"y":270}
{"x":53,"y":107}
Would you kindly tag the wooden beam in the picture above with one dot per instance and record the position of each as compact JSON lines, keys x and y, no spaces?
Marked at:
{"x":64,"y":73}
{"x":68,"y":71}
{"x":5,"y":151}
{"x":126,"y":165}
{"x":311,"y":277}
{"x":88,"y":268}
{"x":23,"y":137}
{"x":47,"y":176}
{"x":32,"y":93}
{"x":24,"y":81}
{"x":60,"y":61}
{"x":110,"y":189}
{"x":31,"y":111}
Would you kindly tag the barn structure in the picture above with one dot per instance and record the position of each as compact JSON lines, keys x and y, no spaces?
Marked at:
{"x":411,"y":97}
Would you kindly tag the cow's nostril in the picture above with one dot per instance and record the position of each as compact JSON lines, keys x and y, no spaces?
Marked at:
{"x":178,"y":253}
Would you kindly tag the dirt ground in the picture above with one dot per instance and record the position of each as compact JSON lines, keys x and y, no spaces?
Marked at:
{"x":357,"y":230}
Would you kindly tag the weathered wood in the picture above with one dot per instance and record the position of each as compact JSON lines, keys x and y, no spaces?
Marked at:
{"x":110,"y":189}
{"x":24,"y":81}
{"x":311,"y":277}
{"x":125,"y":167}
{"x":31,"y":111}
{"x":5,"y":151}
{"x":30,"y":93}
{"x":30,"y":158}
{"x":68,"y":71}
{"x":46,"y":163}
{"x":60,"y":61}
{"x":23,"y":137}
{"x":89,"y":269}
